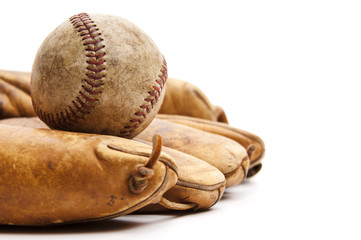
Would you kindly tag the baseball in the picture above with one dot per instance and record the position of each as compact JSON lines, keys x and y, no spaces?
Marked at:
{"x":98,"y":74}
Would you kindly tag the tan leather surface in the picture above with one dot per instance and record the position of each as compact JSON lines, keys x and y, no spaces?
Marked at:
{"x":15,"y":100}
{"x":184,"y":98}
{"x":107,"y":84}
{"x":198,"y":182}
{"x":29,"y":122}
{"x":18,"y":79}
{"x":246,"y":139}
{"x":50,"y":177}
{"x":223,"y":153}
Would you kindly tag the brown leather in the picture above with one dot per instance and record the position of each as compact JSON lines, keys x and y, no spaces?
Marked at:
{"x":15,"y":100}
{"x":51,"y":177}
{"x":29,"y":122}
{"x":18,"y":79}
{"x":184,"y":98}
{"x":254,"y":144}
{"x":223,"y":153}
{"x":198,"y":183}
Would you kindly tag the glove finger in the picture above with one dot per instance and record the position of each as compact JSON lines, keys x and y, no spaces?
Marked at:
{"x":199,"y":183}
{"x":184,"y":98}
{"x":223,"y":153}
{"x":254,"y":144}
{"x":14,"y":102}
{"x":20,"y":80}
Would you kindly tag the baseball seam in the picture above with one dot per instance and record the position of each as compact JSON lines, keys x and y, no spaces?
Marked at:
{"x":92,"y":82}
{"x":149,"y":101}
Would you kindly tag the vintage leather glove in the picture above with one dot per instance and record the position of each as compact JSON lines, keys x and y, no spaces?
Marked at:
{"x":15,"y":98}
{"x":51,"y":177}
{"x":199,"y":185}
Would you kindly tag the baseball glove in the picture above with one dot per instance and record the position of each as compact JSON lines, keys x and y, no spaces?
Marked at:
{"x":184,"y":98}
{"x":199,"y":185}
{"x":15,"y":100}
{"x":52,"y":177}
{"x":254,"y":144}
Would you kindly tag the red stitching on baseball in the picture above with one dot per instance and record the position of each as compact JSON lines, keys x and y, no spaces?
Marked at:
{"x":90,"y":91}
{"x":88,"y":96}
{"x":152,"y":98}
{"x":94,"y":83}
{"x":95,"y":62}
{"x":139,"y":114}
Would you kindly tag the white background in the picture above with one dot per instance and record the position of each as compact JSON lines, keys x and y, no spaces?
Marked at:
{"x":285,"y":70}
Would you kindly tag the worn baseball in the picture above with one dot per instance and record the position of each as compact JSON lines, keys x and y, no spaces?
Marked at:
{"x":98,"y":74}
